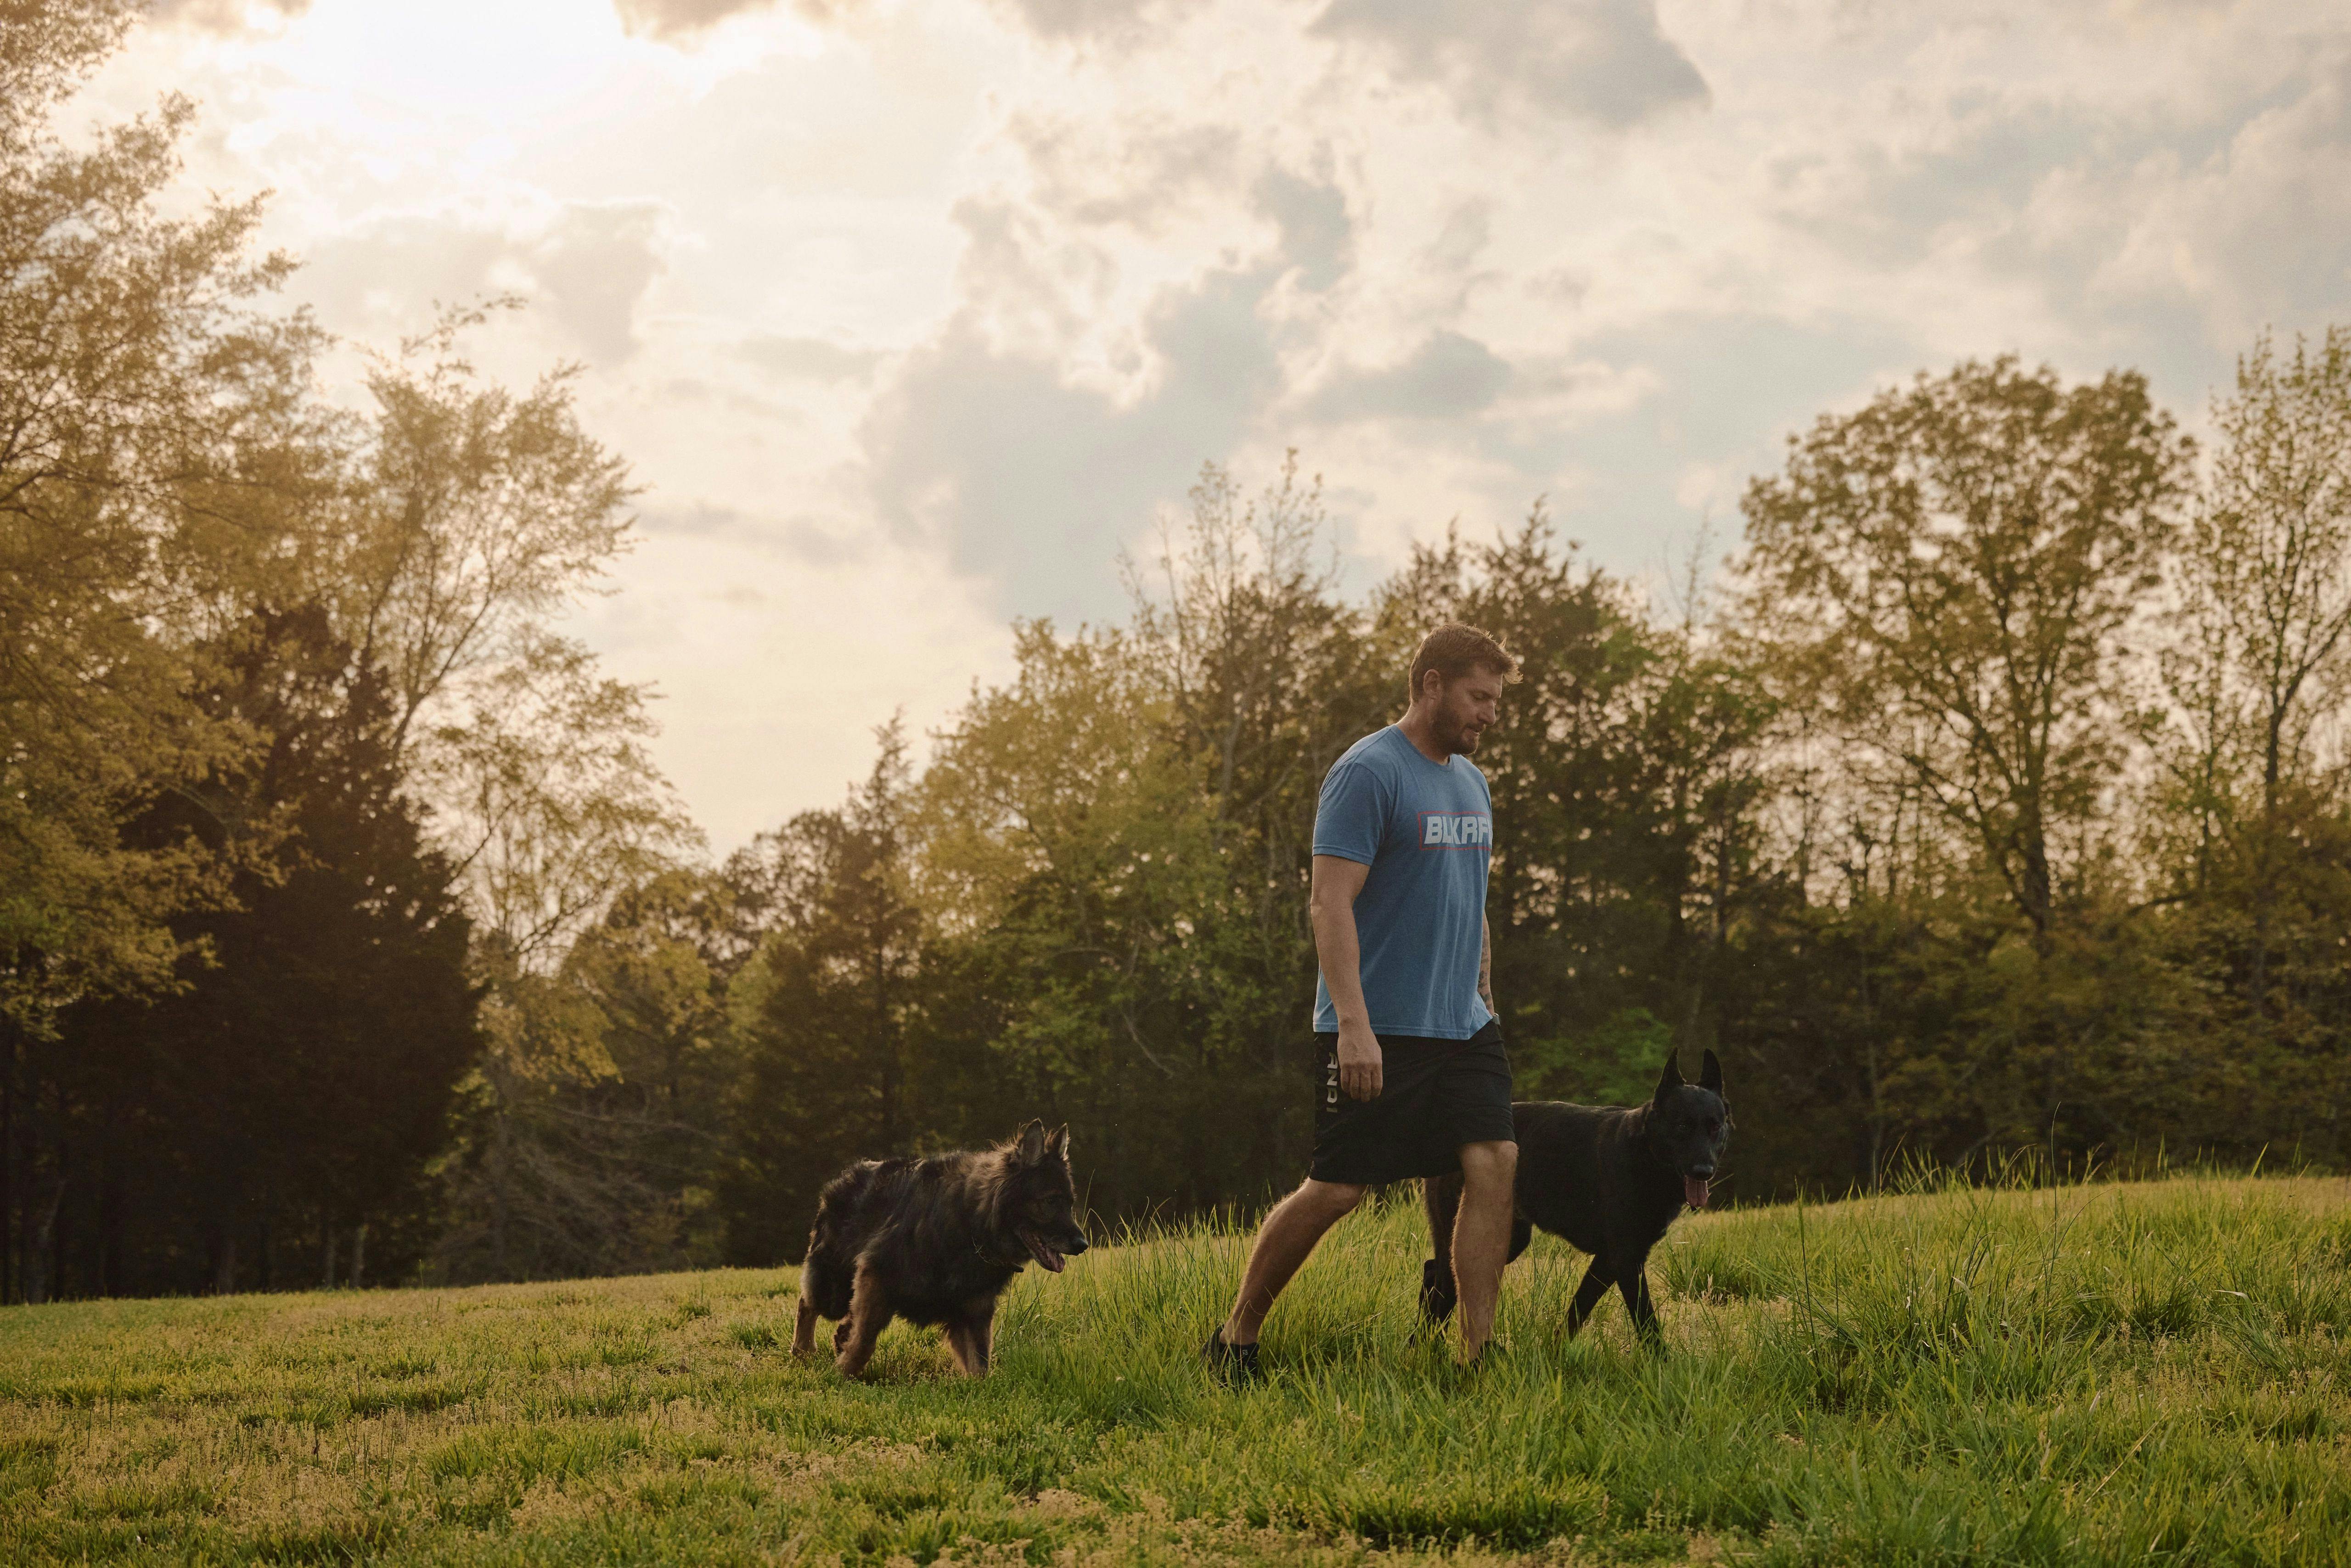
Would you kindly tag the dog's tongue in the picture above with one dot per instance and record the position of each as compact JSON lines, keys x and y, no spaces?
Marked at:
{"x":1694,"y":1191}
{"x":1042,"y":1253}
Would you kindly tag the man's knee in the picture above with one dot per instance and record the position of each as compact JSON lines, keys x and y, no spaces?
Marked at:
{"x":1490,"y":1167}
{"x":1331,"y":1199}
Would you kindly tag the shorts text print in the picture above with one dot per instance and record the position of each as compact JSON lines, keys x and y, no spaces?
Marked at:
{"x":1456,"y":830}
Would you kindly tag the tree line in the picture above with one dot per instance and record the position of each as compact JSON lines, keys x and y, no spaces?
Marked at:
{"x":1990,"y":797}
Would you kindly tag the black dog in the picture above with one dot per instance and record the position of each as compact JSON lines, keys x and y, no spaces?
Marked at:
{"x":936,"y":1241}
{"x":1609,"y":1179}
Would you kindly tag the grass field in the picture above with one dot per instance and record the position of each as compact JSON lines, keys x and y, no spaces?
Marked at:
{"x":2100,"y":1373}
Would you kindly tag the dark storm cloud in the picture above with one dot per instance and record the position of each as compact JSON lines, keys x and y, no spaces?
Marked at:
{"x":1603,"y":60}
{"x":1447,"y":377}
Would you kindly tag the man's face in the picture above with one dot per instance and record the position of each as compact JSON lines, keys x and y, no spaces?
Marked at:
{"x":1466,"y":707}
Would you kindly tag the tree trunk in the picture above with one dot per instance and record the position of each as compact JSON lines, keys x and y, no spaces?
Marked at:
{"x":501,"y":1140}
{"x":7,"y":1158}
{"x":53,"y":1230}
{"x":2040,"y":896}
{"x":44,"y":1265}
{"x":359,"y":1255}
{"x":110,"y":1213}
{"x":225,"y":1263}
{"x":326,"y":1269}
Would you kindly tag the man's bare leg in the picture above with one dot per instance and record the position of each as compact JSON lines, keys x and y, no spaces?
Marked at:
{"x":1284,"y":1243}
{"x":1481,"y":1236}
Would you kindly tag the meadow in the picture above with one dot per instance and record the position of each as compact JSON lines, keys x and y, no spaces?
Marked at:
{"x":2091,"y":1374}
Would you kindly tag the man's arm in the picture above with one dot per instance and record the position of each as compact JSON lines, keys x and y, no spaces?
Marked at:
{"x":1331,"y":905}
{"x":1485,"y":964}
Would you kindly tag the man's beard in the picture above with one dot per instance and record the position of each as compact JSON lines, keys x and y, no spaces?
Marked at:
{"x":1462,"y":741}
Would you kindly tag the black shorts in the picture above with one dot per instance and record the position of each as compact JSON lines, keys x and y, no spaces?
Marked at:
{"x":1435,"y":1096}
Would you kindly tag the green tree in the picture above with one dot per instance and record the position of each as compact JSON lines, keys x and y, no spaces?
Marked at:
{"x":1954,"y":570}
{"x":1957,"y":579}
{"x":823,"y":1013}
{"x":152,"y":425}
{"x":2250,"y":822}
{"x":292,"y":1087}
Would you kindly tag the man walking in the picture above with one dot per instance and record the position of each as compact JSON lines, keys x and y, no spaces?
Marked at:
{"x":1413,"y":1080}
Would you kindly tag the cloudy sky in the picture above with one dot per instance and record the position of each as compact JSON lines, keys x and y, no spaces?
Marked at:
{"x":911,"y":314}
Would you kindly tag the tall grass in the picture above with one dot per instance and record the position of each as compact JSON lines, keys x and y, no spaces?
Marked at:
{"x":2077,"y":1374}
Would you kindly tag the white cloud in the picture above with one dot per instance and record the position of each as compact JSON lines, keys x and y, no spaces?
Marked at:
{"x":1603,"y":60}
{"x":1117,"y":20}
{"x":588,"y":263}
{"x":810,"y":358}
{"x":1447,"y":376}
{"x":1032,"y":482}
{"x":224,"y":16}
{"x":678,"y":20}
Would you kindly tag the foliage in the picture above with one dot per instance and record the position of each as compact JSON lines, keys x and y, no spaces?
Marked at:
{"x":822,"y":1011}
{"x":278,"y":692}
{"x":153,"y":427}
{"x":1951,"y":571}
{"x":294,"y":1083}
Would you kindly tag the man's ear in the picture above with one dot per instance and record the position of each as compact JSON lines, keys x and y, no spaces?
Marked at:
{"x":1031,"y":1147}
{"x":1710,"y":1073}
{"x":1671,"y":1077}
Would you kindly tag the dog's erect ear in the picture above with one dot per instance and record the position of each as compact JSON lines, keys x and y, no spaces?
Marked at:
{"x":1710,"y":1073}
{"x":1031,"y":1147}
{"x":1671,"y":1077}
{"x":1057,"y":1146}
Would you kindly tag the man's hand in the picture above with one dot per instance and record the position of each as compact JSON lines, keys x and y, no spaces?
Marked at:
{"x":1359,"y":1060}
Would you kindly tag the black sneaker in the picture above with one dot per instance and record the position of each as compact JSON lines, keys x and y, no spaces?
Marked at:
{"x":1233,"y":1363}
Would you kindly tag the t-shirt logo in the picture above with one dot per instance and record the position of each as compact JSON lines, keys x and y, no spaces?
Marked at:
{"x":1456,"y":830}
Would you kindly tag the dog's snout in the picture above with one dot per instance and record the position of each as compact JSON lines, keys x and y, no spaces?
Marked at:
{"x":1078,"y":1243}
{"x":1703,"y":1172}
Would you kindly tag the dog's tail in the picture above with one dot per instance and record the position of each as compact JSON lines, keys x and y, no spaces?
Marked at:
{"x":828,"y":1270}
{"x":837,"y":1201}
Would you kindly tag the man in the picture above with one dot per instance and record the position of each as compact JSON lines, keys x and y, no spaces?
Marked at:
{"x":1412,"y":1079}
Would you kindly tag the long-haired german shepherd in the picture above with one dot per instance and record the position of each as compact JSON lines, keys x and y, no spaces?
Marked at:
{"x":936,"y":1241}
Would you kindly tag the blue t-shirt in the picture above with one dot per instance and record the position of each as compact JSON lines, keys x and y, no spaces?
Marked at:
{"x":1426,"y":829}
